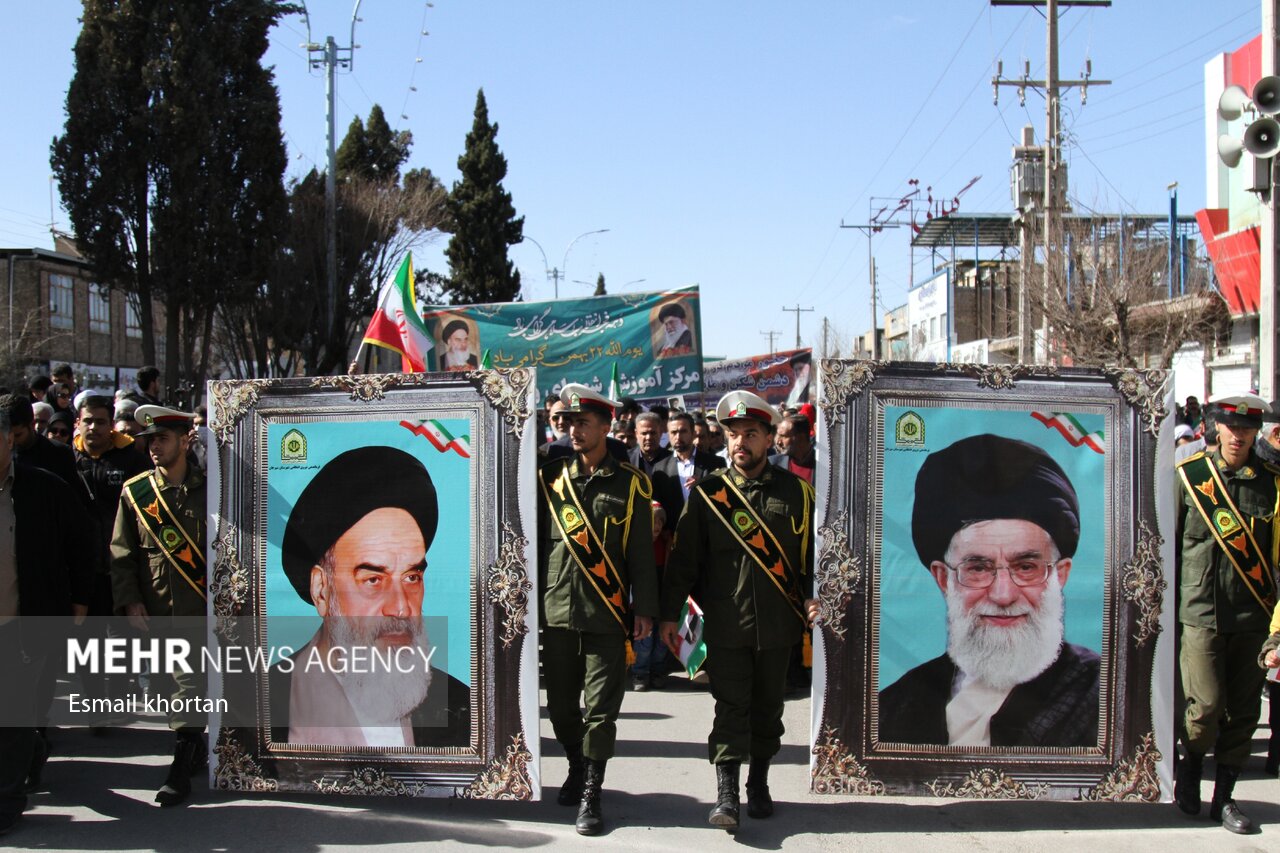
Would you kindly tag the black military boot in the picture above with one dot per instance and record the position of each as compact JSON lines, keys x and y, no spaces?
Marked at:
{"x":1224,"y":808}
{"x":571,"y":790}
{"x":759,"y":803}
{"x":590,"y":815}
{"x":188,"y":759}
{"x":1186,"y":782}
{"x":725,"y":814}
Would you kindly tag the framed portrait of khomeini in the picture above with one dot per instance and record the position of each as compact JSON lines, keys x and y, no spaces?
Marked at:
{"x":373,"y":613}
{"x":992,"y":581}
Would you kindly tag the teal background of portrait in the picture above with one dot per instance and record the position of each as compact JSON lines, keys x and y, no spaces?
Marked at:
{"x":447,"y":587}
{"x":913,"y":613}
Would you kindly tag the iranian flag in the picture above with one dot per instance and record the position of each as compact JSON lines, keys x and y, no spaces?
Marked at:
{"x":1072,"y":431}
{"x":693,"y":649}
{"x":396,"y":324}
{"x":440,"y":437}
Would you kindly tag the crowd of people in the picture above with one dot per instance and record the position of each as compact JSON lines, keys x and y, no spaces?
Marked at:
{"x":103,"y":495}
{"x":74,"y":465}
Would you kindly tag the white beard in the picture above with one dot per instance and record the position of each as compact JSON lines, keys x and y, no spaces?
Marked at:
{"x":453,"y":358}
{"x":1005,"y":657}
{"x":380,"y":696}
{"x":672,"y":338}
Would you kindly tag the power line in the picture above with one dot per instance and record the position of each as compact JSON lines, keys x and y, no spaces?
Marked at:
{"x":798,"y":311}
{"x":771,"y":335}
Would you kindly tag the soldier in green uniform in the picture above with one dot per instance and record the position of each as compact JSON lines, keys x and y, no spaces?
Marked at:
{"x":1227,"y":590}
{"x":744,"y":549}
{"x":597,"y":577}
{"x":158,"y":571}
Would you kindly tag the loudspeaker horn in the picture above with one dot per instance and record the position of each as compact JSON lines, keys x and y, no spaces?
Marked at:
{"x":1230,"y":150}
{"x":1232,"y":103}
{"x":1262,"y":138}
{"x":1266,"y":95}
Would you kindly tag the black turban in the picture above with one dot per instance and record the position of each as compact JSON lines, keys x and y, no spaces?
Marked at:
{"x":451,"y":327}
{"x":671,"y":309}
{"x":349,"y":487}
{"x":987,"y":477}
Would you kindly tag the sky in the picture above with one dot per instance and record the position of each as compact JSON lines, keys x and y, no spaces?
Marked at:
{"x":721,"y":144}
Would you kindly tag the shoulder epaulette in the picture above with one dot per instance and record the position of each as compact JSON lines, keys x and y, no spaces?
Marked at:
{"x":144,"y":475}
{"x":553,"y":463}
{"x":1274,"y":469}
{"x":646,"y":485}
{"x":1197,"y":455}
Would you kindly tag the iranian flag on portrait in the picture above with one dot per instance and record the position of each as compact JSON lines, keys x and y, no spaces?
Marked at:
{"x":396,"y":325}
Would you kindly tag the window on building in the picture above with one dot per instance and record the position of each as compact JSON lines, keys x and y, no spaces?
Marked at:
{"x":99,"y":309}
{"x":132,"y":323}
{"x":62,"y":302}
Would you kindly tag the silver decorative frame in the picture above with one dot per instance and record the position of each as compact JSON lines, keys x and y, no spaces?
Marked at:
{"x":848,"y":756}
{"x":501,"y":761}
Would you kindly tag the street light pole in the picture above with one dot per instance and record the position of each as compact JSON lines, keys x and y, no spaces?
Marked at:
{"x":554,"y":274}
{"x":564,"y":262}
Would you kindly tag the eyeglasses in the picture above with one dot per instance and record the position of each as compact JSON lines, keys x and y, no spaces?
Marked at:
{"x":981,"y":574}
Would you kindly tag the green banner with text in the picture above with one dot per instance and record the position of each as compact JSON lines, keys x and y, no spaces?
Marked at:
{"x":655,"y":339}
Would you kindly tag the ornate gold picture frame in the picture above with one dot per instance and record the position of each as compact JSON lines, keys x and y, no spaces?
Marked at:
{"x":453,"y":452}
{"x":916,"y":454}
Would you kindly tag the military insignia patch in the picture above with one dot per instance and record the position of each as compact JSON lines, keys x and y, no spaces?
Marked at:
{"x":293,"y":447}
{"x":570,"y":519}
{"x":171,"y":537}
{"x":575,"y":401}
{"x":908,"y":431}
{"x":740,"y":410}
{"x":744,"y":522}
{"x":1225,"y":522}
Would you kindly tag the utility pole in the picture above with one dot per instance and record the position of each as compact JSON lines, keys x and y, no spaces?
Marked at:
{"x":1268,"y":364}
{"x":330,"y":57}
{"x":825,"y":324}
{"x":1055,"y":178}
{"x":798,"y":311}
{"x":771,"y":336}
{"x":870,"y":228}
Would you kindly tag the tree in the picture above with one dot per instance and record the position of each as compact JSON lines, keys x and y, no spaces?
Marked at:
{"x":171,"y":163}
{"x":483,"y":220}
{"x":600,"y":291}
{"x":1111,"y":304}
{"x":281,"y":331}
{"x":372,"y":150}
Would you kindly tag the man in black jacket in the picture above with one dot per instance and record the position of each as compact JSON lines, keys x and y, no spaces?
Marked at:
{"x":32,"y":448}
{"x":677,"y":473}
{"x":105,"y":459}
{"x":45,"y":565}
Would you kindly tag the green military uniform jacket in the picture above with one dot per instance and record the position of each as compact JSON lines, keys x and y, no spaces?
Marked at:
{"x":140,"y":572}
{"x":741,"y":606}
{"x":617,"y":499}
{"x":1211,"y":593}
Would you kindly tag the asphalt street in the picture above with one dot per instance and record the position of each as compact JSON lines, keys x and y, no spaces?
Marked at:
{"x":98,"y":796}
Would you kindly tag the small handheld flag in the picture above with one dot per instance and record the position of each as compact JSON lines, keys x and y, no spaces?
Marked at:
{"x":693,"y":648}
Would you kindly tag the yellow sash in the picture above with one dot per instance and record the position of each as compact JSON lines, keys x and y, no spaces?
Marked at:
{"x":182,"y":552}
{"x":1202,"y":481}
{"x":749,"y":530}
{"x":584,"y":543}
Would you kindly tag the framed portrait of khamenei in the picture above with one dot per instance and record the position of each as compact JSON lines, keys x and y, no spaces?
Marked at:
{"x":373,"y":624}
{"x":994,"y":583}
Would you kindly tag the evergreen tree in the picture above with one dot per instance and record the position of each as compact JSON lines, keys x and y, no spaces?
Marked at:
{"x":171,"y":163}
{"x":483,"y":220}
{"x":372,"y":150}
{"x":600,"y":291}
